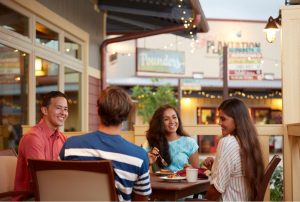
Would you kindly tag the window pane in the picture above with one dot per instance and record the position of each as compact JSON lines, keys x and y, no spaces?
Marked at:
{"x":73,"y":92}
{"x":13,"y":95}
{"x":72,"y":48}
{"x":46,"y":36}
{"x":13,"y":21}
{"x":46,"y":73}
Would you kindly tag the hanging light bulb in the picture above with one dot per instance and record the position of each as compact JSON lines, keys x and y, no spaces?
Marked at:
{"x":271,"y":30}
{"x":272,"y":27}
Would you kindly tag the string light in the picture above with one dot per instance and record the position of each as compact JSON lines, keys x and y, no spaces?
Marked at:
{"x":191,"y":29}
{"x":214,"y":95}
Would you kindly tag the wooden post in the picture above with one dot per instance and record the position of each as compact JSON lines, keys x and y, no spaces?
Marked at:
{"x":179,"y":96}
{"x":225,"y":72}
{"x":290,"y":61}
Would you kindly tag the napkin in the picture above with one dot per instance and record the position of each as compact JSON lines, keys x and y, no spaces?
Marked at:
{"x":201,"y":173}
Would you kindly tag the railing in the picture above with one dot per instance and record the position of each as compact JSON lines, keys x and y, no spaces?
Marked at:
{"x":128,"y":135}
{"x":294,"y":129}
{"x":214,"y":129}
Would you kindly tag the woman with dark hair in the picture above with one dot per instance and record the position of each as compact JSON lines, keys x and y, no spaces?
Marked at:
{"x":238,"y":168}
{"x":174,"y":145}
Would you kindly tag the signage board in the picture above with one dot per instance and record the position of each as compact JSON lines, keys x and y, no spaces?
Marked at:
{"x":160,"y":61}
{"x":244,"y":64}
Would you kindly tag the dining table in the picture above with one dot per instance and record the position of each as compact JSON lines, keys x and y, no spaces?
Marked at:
{"x":174,"y":190}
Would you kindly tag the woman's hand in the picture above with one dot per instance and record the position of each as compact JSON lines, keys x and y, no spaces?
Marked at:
{"x":194,"y":160}
{"x":208,"y":162}
{"x":152,"y":155}
{"x":152,"y":158}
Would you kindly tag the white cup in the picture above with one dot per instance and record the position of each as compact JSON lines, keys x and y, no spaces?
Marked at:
{"x":191,"y":174}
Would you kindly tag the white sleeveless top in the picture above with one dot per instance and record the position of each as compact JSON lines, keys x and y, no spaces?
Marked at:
{"x":227,"y":176}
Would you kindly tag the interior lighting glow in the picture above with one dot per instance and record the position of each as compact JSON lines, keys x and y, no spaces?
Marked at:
{"x":271,"y":35}
{"x":38,"y":64}
{"x":186,"y":101}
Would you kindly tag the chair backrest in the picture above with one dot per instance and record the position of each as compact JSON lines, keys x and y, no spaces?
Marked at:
{"x":8,"y":166}
{"x":8,"y":152}
{"x":267,"y":176}
{"x":73,"y":180}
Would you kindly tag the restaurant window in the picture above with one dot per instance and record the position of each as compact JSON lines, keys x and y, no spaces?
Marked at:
{"x":13,"y":95}
{"x":205,"y":116}
{"x":14,"y":21}
{"x":46,"y":74}
{"x":73,"y":92}
{"x":276,"y":117}
{"x":46,"y":36}
{"x":73,"y":49}
{"x":265,"y":115}
{"x":276,"y":141}
{"x":261,"y":115}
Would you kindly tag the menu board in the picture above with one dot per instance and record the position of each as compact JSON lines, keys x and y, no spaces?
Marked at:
{"x":244,"y":64}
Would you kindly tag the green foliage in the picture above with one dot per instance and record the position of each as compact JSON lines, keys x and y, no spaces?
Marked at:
{"x":276,"y":187}
{"x":150,"y":98}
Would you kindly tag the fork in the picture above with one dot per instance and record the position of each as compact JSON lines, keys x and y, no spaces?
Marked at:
{"x":162,"y":160}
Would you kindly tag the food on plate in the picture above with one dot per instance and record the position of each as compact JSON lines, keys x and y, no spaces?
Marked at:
{"x":166,"y":171}
{"x":172,"y":175}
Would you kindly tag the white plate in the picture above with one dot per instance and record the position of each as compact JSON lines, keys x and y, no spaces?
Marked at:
{"x":175,"y":179}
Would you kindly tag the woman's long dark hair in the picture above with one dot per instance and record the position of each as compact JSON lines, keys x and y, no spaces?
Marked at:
{"x":156,"y":134}
{"x":246,"y":134}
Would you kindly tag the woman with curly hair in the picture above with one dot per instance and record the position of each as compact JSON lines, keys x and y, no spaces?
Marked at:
{"x":238,"y":168}
{"x":174,"y":145}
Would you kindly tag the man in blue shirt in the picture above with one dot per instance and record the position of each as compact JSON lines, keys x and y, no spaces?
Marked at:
{"x":130,"y":162}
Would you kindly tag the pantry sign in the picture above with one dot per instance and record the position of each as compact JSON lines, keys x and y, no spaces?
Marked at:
{"x":160,"y":61}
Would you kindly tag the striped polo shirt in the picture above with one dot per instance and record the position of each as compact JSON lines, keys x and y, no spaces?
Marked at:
{"x":130,"y":162}
{"x":227,"y":175}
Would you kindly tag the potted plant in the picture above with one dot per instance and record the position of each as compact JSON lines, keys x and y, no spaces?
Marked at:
{"x":150,"y":98}
{"x":276,"y":182}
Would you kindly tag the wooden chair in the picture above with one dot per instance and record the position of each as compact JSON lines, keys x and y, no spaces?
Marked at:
{"x":8,"y":164}
{"x":268,"y":174}
{"x":73,"y":180}
{"x":8,"y":152}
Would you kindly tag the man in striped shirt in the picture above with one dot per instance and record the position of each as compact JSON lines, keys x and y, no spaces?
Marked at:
{"x":130,"y":162}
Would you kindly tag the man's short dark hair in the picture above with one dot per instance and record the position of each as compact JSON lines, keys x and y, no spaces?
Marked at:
{"x":114,"y":106}
{"x":53,"y":94}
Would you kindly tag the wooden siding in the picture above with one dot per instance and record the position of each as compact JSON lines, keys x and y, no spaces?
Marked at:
{"x":82,"y":14}
{"x":94,"y":87}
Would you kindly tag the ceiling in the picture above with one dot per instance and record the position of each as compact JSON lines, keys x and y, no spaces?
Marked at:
{"x":131,"y":16}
